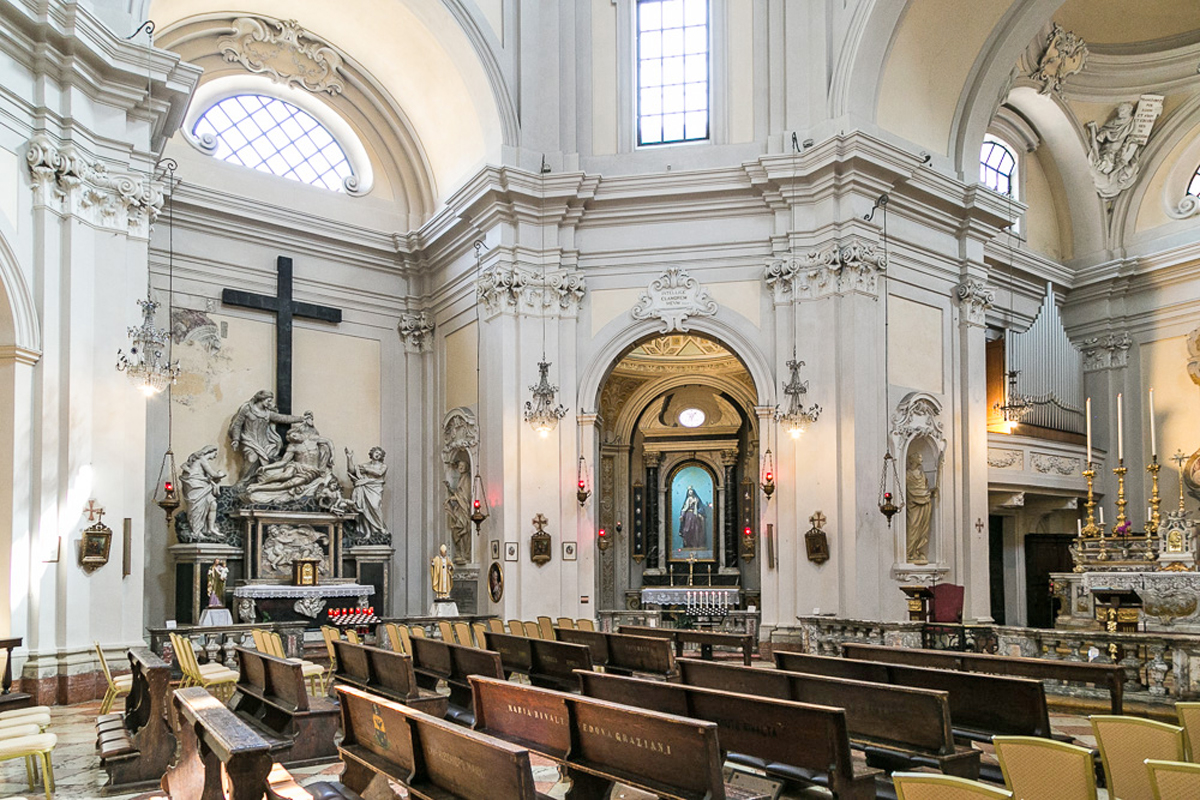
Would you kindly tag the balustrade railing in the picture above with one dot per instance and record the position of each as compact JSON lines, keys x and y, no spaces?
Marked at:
{"x":730,"y":621}
{"x":1159,"y":667}
{"x":215,"y":644}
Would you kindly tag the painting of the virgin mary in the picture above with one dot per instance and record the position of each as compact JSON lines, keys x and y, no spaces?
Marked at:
{"x":692,"y":515}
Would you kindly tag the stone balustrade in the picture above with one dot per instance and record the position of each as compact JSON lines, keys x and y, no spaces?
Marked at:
{"x":1160,"y":667}
{"x":215,"y":643}
{"x":731,"y":621}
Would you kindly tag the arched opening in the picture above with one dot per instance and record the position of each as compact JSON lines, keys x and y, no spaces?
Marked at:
{"x":678,"y":461}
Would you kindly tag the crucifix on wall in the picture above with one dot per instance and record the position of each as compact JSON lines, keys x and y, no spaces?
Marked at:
{"x":285,"y":309}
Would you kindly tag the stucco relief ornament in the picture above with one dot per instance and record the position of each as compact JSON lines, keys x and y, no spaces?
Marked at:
{"x":280,"y":54}
{"x":63,"y":178}
{"x":673,"y":297}
{"x":1193,"y":346}
{"x":1115,"y":147}
{"x":1108,"y":352}
{"x":417,"y":332}
{"x":917,"y":415}
{"x":517,"y":288}
{"x":1066,"y":54}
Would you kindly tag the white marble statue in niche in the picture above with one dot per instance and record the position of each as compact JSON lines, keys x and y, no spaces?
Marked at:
{"x":918,"y":504}
{"x":458,"y":506}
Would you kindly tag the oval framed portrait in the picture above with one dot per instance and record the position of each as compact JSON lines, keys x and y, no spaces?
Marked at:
{"x":495,"y":582}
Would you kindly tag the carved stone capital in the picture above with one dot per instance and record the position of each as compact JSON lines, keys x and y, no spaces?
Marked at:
{"x":519,"y":289}
{"x":1110,"y":351}
{"x":652,"y":459}
{"x":729,"y":458}
{"x":417,"y":331}
{"x":274,"y":48}
{"x":64,"y":180}
{"x":852,"y":266}
{"x":974,"y":299}
{"x":673,"y":297}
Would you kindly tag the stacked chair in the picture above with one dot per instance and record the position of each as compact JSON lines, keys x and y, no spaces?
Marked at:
{"x":116,"y":686}
{"x":217,"y":678}
{"x":1036,"y":767}
{"x":271,"y":643}
{"x":927,"y":786}
{"x":1126,"y":743}
{"x":23,"y":735}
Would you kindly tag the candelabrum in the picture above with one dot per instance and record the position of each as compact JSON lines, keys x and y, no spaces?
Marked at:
{"x":1090,"y":529}
{"x":1155,"y":500}
{"x":1120,"y":525}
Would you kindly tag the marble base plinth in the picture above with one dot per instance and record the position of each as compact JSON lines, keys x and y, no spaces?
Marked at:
{"x":215,"y":616}
{"x":443,"y":608}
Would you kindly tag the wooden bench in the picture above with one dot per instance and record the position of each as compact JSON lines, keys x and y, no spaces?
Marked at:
{"x":548,"y":663}
{"x":213,"y":740}
{"x":1109,"y":676}
{"x":795,"y":742}
{"x":623,"y":654}
{"x":706,"y":640}
{"x":270,"y":694}
{"x":601,"y":743}
{"x":435,"y":660}
{"x":385,"y":673}
{"x":981,"y":706}
{"x":10,"y":700}
{"x":136,"y":746}
{"x":898,"y":727}
{"x":434,"y":760}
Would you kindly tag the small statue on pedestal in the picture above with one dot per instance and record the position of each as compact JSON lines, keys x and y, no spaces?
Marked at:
{"x":218,"y":573}
{"x":441,"y":574}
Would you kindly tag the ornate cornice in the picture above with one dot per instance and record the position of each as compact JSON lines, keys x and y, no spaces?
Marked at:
{"x":918,"y":415}
{"x":280,"y":54}
{"x":517,"y":289}
{"x":416,"y":328}
{"x":1108,"y":352}
{"x":974,"y":298}
{"x":838,"y":269}
{"x":65,"y":181}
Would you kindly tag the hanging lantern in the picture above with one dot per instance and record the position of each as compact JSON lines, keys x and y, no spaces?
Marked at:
{"x":768,"y":474}
{"x":583,"y":490}
{"x":890,"y":501}
{"x":479,"y":507}
{"x":166,"y":494}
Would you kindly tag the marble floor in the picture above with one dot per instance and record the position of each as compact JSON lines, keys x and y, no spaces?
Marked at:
{"x":78,"y":773}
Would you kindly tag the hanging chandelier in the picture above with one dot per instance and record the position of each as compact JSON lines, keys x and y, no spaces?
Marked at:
{"x":147,"y":364}
{"x":542,"y":413}
{"x":797,"y":418}
{"x":1015,"y":405}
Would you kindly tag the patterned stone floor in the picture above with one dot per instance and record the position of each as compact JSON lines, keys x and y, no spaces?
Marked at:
{"x":78,"y":773}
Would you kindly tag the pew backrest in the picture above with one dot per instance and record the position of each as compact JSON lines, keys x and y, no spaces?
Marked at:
{"x":276,"y":680}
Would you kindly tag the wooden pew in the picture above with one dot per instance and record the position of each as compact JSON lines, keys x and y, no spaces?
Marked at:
{"x":707,"y":640}
{"x":622,"y":654}
{"x":271,"y":696}
{"x":435,"y":660}
{"x":548,"y":663}
{"x":898,"y":727}
{"x":385,"y":673}
{"x":981,"y":706}
{"x":433,"y":759}
{"x":795,"y":742}
{"x":602,"y":743}
{"x":214,"y":740}
{"x":137,"y":746}
{"x":1109,"y":676}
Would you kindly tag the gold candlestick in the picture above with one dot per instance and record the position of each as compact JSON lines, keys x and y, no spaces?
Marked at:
{"x":1180,"y":458}
{"x":1155,"y":518}
{"x":1090,"y":528}
{"x":1119,"y":471}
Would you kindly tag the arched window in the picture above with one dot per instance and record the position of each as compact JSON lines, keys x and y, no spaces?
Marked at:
{"x":998,"y":166}
{"x":272,"y":135}
{"x":1194,"y":186}
{"x":672,"y":71}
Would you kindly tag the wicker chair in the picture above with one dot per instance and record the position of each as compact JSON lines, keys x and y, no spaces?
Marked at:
{"x":462,"y":632}
{"x":217,"y":678}
{"x":546,"y":626}
{"x":313,"y":672}
{"x":1174,"y":780}
{"x":495,"y":625}
{"x":1125,"y":744}
{"x":116,"y":686}
{"x":417,"y":631}
{"x":1189,"y":719}
{"x":926,"y":786}
{"x":447,"y":631}
{"x":479,"y":630}
{"x":516,"y":627}
{"x":1035,"y":767}
{"x":565,"y":622}
{"x":585,"y":625}
{"x":532,"y":630}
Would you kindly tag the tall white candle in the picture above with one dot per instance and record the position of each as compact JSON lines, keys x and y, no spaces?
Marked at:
{"x":1079,"y":527}
{"x":1120,"y":430}
{"x":1088,"y":413}
{"x":1153,"y":438}
{"x":1101,"y":515}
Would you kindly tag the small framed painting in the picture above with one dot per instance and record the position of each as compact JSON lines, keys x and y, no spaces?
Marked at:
{"x":568,"y":551}
{"x":496,"y":580}
{"x":511,"y":551}
{"x":495,"y":549}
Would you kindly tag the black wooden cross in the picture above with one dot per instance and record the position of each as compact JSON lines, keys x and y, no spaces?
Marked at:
{"x":285,"y":308}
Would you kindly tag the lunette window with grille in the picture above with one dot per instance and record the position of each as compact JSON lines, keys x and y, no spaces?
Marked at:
{"x":1194,"y":186}
{"x":672,"y":71}
{"x":271,"y":135}
{"x":998,"y":167}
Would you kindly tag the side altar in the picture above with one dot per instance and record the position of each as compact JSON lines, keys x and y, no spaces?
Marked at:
{"x":295,"y":542}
